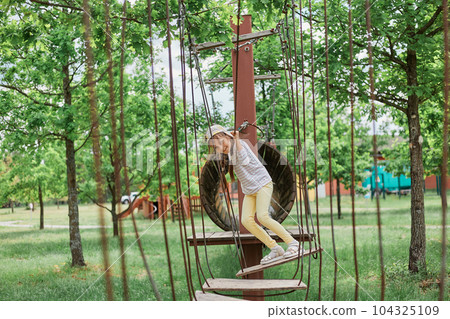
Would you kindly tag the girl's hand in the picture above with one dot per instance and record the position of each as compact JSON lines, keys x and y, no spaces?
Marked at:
{"x":237,"y":140}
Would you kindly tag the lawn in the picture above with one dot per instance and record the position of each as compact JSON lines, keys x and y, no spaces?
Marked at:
{"x":36,"y":263}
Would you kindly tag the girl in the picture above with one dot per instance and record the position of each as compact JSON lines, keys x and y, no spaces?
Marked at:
{"x":257,"y":186}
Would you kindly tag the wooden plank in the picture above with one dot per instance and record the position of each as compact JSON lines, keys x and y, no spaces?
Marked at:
{"x":226,"y":237}
{"x":257,"y":78}
{"x":242,"y":38}
{"x":226,"y":284}
{"x":257,"y":268}
{"x":204,"y":296}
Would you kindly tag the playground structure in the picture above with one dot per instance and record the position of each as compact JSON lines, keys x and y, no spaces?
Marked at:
{"x":253,"y":286}
{"x":283,"y":176}
{"x":162,"y":208}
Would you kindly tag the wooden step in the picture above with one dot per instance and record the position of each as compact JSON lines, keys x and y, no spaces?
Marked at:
{"x":204,"y":296}
{"x":226,"y":284}
{"x":226,"y":237}
{"x":257,"y":268}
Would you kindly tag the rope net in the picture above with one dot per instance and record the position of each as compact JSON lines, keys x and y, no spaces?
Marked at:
{"x":299,"y":63}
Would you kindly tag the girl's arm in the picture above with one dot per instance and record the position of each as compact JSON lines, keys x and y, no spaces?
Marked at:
{"x":237,"y":140}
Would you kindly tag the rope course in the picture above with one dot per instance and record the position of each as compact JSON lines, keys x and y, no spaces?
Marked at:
{"x":95,"y":142}
{"x":375,"y":151}
{"x":330,"y":169}
{"x":123,"y":158}
{"x":158,"y":155}
{"x":293,"y":102}
{"x":294,"y":60}
{"x":352,"y":134}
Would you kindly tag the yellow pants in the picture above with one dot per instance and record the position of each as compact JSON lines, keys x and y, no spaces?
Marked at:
{"x":259,"y":203}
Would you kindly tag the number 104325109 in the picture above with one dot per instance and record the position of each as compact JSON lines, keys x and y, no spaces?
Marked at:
{"x":405,"y":310}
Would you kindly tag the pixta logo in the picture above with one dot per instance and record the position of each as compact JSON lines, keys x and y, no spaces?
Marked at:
{"x":141,"y":151}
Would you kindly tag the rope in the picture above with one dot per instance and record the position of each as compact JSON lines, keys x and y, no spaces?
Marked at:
{"x":158,"y":155}
{"x":237,"y":62}
{"x":240,"y":252}
{"x":352,"y":98}
{"x":375,"y":151}
{"x":232,"y":216}
{"x":97,"y":163}
{"x":197,"y":166}
{"x":175,"y":149}
{"x":292,"y":103}
{"x":121,"y":98}
{"x":183,"y":208}
{"x":270,"y":138}
{"x":96,"y":142}
{"x":197,"y":151}
{"x":303,"y":147}
{"x":208,"y":117}
{"x":296,"y":151}
{"x":183,"y":76}
{"x":115,"y":155}
{"x":330,"y":171}
{"x":315,"y":148}
{"x":443,"y":276}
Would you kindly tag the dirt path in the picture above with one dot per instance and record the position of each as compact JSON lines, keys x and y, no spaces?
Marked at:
{"x":13,"y":223}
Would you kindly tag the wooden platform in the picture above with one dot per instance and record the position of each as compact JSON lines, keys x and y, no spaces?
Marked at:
{"x":226,"y":237}
{"x":242,"y":38}
{"x":258,"y":268}
{"x":225,"y":284}
{"x":257,"y":77}
{"x":204,"y":296}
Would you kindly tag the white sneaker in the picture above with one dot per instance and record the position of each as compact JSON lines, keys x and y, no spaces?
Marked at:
{"x":276,"y":253}
{"x":292,"y":249}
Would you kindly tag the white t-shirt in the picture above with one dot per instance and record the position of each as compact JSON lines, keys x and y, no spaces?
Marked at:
{"x":249,"y":170}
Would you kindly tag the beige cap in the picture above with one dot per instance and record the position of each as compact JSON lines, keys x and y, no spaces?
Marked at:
{"x":215,"y":129}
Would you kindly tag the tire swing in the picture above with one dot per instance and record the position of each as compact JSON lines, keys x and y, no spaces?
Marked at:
{"x":213,"y":198}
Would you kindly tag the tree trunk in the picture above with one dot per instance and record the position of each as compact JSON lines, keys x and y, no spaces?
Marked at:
{"x":76,"y":248}
{"x":115,"y":224}
{"x":75,"y":238}
{"x":417,"y":246}
{"x":114,"y":216}
{"x":41,"y":207}
{"x":338,"y":195}
{"x":12,"y":206}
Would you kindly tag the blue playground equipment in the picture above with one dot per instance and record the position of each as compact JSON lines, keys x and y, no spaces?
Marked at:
{"x":387,"y":183}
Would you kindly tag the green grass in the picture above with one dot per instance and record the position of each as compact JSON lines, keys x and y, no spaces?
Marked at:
{"x":36,"y":263}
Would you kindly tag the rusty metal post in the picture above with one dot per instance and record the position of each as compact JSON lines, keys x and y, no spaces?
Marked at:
{"x":244,"y":91}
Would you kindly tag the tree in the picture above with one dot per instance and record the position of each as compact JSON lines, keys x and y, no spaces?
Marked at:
{"x":407,"y":47}
{"x":407,"y":38}
{"x":40,"y":60}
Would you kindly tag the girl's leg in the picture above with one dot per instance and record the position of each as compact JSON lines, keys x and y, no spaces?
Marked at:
{"x":248,"y":220}
{"x":263,"y":197}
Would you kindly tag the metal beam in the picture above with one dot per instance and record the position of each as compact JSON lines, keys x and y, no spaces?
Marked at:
{"x":257,"y":77}
{"x":242,"y":38}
